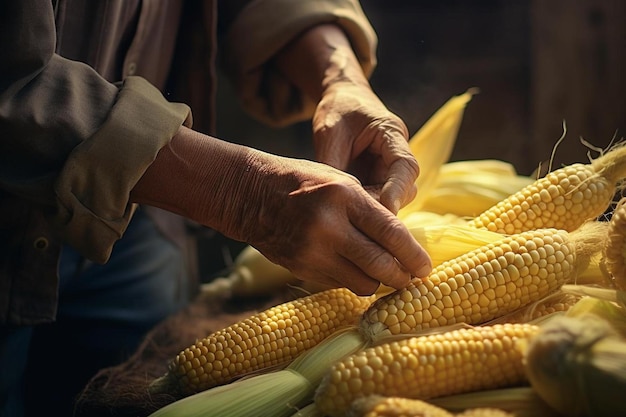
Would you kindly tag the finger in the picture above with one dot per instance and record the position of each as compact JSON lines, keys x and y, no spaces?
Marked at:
{"x":374,"y":260}
{"x":341,"y":273}
{"x":403,"y":169}
{"x":395,"y":240}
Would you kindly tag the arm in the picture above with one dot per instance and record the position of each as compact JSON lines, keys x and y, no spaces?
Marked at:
{"x":64,"y":130}
{"x":350,"y":124}
{"x":311,"y":218}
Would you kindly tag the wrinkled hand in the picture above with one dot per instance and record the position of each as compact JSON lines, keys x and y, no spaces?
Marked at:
{"x":311,"y":218}
{"x":321,"y":224}
{"x":353,"y":131}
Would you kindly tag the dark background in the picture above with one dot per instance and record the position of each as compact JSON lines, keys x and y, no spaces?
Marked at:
{"x":537,"y":63}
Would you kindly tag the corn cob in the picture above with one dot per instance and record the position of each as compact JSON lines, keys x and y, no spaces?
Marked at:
{"x":563,"y":199}
{"x":615,"y":251}
{"x":275,"y":394}
{"x":486,"y":283}
{"x":452,"y":362}
{"x":268,"y":339}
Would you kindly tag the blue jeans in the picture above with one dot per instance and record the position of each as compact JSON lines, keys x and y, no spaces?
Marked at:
{"x":104,"y":312}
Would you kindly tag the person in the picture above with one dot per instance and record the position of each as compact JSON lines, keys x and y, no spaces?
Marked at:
{"x":102,"y":169}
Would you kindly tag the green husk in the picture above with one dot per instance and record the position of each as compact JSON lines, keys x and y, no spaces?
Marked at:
{"x":607,"y":304}
{"x":314,"y":364}
{"x":272,"y":394}
{"x":578,"y":366}
{"x":521,"y":401}
{"x":276,"y":394}
{"x":310,"y":410}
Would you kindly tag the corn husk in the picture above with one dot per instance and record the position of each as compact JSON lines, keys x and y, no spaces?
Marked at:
{"x":608,"y":304}
{"x":427,"y":218}
{"x":520,"y":401}
{"x":250,"y":275}
{"x":432,"y":145}
{"x":309,"y":410}
{"x":467,"y":188}
{"x":275,"y":393}
{"x":578,"y":366}
{"x":446,"y":242}
{"x":615,"y":251}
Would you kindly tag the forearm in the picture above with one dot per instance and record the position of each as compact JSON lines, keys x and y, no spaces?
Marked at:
{"x":207,"y":180}
{"x":318,"y":58}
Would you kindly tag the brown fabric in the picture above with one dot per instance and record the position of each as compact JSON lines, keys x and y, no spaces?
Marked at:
{"x":57,"y":117}
{"x":123,"y":390}
{"x":265,"y":94}
{"x":87,"y":87}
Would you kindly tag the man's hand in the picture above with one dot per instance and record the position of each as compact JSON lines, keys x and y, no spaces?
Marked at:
{"x":315,"y":220}
{"x":322,"y":224}
{"x":353,"y":131}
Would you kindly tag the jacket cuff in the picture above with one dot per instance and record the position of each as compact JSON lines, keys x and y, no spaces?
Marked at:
{"x":259,"y":33}
{"x":93,"y":188}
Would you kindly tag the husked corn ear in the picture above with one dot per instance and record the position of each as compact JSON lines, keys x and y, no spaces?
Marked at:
{"x":452,"y":362}
{"x":615,"y":251}
{"x":486,"y":283}
{"x":563,"y":199}
{"x":268,"y":339}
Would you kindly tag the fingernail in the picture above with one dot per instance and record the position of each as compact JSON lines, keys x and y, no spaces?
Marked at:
{"x":395,"y":206}
{"x":424,"y":270}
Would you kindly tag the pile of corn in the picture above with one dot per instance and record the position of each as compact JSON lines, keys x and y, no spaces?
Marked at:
{"x":524,"y":313}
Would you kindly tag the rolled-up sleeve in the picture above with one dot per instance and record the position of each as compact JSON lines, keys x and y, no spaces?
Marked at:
{"x":70,"y":141}
{"x":92,"y":190}
{"x":262,"y":28}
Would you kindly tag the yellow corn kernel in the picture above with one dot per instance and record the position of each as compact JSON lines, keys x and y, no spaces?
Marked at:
{"x":486,"y":283}
{"x":452,"y":362}
{"x":615,"y":251}
{"x":563,"y":199}
{"x":268,"y":339}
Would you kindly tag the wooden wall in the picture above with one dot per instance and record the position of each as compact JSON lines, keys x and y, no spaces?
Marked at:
{"x":537,"y":63}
